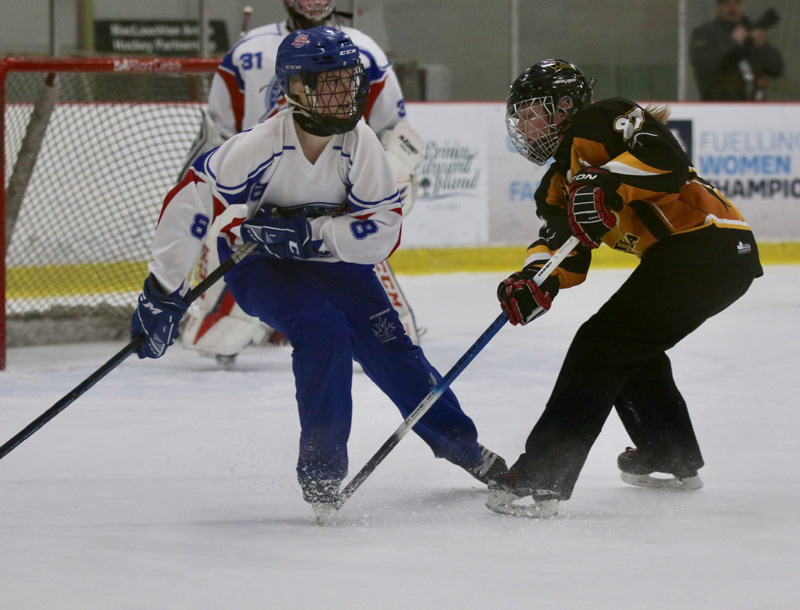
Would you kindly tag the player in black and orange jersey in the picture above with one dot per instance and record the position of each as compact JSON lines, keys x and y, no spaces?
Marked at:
{"x":619,"y":177}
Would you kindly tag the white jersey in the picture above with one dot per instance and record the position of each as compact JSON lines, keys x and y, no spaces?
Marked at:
{"x":351,"y":184}
{"x":244,"y":90}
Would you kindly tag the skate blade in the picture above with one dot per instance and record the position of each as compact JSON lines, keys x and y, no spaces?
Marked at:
{"x":646,"y":480}
{"x":324,"y":511}
{"x":503,"y":503}
{"x":225,"y":363}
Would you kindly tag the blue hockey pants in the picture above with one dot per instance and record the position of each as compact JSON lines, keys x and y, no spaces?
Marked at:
{"x":333,"y":313}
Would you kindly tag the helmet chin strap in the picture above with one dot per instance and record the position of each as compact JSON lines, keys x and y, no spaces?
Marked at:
{"x":313,"y":127}
{"x":304,"y":118}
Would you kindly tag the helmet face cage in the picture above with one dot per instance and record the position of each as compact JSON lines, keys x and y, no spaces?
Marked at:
{"x":532,"y":128}
{"x":336,"y":99}
{"x":313,"y":10}
{"x":542,"y":103}
{"x":321,"y":74}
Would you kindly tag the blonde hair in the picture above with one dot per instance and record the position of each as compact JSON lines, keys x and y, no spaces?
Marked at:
{"x":659,"y":112}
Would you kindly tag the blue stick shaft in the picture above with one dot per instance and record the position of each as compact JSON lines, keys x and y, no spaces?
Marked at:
{"x":448,"y":379}
{"x":422,"y":408}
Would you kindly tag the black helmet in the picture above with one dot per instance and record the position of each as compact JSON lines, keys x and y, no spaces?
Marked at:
{"x":541,"y":103}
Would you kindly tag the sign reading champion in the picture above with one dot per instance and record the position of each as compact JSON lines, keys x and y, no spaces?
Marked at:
{"x":745,"y":164}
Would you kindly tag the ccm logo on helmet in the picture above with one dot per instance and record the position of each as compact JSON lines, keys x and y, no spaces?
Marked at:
{"x":349,"y":51}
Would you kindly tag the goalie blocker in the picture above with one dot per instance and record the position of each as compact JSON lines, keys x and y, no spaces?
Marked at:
{"x":404,"y":146}
{"x":217,"y":326}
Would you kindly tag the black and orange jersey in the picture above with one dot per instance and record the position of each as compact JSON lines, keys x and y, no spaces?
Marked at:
{"x":663,"y":195}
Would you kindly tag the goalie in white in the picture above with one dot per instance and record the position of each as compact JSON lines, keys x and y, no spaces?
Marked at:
{"x":245,"y":91}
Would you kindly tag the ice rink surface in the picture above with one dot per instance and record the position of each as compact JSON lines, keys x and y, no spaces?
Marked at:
{"x":171,"y":485}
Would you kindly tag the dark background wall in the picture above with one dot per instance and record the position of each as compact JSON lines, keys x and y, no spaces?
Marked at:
{"x":458,"y":49}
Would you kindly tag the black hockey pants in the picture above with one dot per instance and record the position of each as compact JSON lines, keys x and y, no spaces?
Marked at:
{"x":617,"y":359}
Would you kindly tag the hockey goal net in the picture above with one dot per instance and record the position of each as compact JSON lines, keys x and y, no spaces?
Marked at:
{"x":91,"y":147}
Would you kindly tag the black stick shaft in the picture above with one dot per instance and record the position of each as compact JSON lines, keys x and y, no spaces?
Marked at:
{"x":117,"y":359}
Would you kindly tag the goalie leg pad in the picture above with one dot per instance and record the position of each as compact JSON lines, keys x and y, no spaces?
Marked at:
{"x":225,"y":331}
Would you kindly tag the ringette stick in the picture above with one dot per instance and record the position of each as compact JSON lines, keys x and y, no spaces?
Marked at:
{"x":447,"y":380}
{"x":117,"y":359}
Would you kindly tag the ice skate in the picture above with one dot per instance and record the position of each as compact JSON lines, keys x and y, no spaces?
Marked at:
{"x":323,"y":497}
{"x":324,"y":511}
{"x":225,"y":363}
{"x":636,"y":470}
{"x":508,"y":497}
{"x":491,"y":466}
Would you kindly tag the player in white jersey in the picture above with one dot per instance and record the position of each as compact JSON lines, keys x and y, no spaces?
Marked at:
{"x":245,"y":91}
{"x":313,"y":189}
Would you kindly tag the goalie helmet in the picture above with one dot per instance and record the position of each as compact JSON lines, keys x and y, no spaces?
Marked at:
{"x":542,"y":103}
{"x":313,"y":11}
{"x":321,"y":74}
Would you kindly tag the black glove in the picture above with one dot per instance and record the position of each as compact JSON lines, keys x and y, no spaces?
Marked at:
{"x":592,"y":197}
{"x":522,"y":299}
{"x":157,"y":317}
{"x":278,"y":237}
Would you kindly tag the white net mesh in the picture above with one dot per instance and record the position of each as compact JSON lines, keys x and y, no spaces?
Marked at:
{"x":78,"y":244}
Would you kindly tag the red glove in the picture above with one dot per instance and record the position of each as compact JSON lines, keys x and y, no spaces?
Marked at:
{"x":592,"y":196}
{"x":522,"y":299}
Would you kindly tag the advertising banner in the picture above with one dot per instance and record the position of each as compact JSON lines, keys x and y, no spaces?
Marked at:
{"x":475,"y":189}
{"x":452,"y":207}
{"x":751,"y":153}
{"x":162,"y":38}
{"x":513,"y":180}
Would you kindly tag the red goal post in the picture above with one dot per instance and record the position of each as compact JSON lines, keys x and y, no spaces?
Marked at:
{"x":91,"y":146}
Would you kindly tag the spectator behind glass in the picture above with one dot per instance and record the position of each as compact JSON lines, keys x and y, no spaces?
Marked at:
{"x":731,"y":56}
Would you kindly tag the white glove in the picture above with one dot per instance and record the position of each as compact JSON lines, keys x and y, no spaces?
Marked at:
{"x":404,"y":148}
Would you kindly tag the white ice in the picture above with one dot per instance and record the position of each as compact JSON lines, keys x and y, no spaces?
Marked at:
{"x":171,"y":485}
